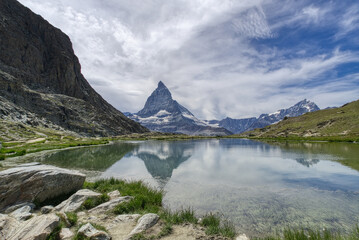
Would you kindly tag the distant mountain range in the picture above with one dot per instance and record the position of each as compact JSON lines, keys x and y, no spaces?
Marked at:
{"x":247,"y":124}
{"x":163,"y":114}
{"x":41,"y":84}
{"x":342,"y":122}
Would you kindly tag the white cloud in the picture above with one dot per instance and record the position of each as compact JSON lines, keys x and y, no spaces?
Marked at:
{"x":202,"y":50}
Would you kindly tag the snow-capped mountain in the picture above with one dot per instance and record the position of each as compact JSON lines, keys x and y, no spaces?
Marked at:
{"x":247,"y":124}
{"x":163,"y":114}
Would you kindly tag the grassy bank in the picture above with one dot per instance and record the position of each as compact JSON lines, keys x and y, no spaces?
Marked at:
{"x":20,"y":148}
{"x":301,"y":139}
{"x":149,"y":200}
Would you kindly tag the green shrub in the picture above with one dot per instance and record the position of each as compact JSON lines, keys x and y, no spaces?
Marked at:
{"x":2,"y":157}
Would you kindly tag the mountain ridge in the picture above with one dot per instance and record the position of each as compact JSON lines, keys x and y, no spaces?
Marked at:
{"x":247,"y":124}
{"x":342,"y":122}
{"x":164,"y":114}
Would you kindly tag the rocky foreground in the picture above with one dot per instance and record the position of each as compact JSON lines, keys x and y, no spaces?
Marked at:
{"x":27,"y":184}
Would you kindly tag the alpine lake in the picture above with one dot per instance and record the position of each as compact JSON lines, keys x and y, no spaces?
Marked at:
{"x":261,"y":187}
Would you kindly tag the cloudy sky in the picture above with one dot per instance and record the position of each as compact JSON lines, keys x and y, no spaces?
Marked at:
{"x":218,"y":58}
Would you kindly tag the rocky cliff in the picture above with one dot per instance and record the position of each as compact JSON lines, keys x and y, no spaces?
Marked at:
{"x":40,"y":74}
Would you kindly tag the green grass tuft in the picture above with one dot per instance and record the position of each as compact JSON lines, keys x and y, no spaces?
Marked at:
{"x":179,"y":217}
{"x":95,"y":201}
{"x":146,"y":199}
{"x":2,"y":157}
{"x":72,"y":217}
{"x":213,"y":226}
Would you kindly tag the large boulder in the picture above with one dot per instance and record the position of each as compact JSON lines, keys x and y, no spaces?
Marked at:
{"x":37,"y":228}
{"x":30,"y":182}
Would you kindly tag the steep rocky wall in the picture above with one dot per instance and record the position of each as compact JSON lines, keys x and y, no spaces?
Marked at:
{"x":40,"y":72}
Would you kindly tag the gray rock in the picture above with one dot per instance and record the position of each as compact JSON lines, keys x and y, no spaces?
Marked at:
{"x":37,"y":228}
{"x":40,"y":182}
{"x":242,"y":237}
{"x":47,"y":209}
{"x":114,"y":194}
{"x":144,"y":223}
{"x":22,"y":214}
{"x":89,"y":231}
{"x":17,"y":206}
{"x":8,"y":226}
{"x":109,"y":205}
{"x":66,"y":234}
{"x":75,"y":201}
{"x":127,"y":217}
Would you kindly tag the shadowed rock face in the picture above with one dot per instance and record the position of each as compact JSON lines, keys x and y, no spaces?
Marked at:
{"x":40,"y":73}
{"x":30,"y":182}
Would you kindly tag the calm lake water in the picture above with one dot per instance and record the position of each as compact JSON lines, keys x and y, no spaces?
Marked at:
{"x":261,"y":187}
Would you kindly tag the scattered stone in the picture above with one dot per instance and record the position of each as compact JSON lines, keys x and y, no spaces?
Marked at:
{"x":89,"y":231}
{"x":144,"y":223}
{"x":81,"y":214}
{"x":38,"y":228}
{"x":127,"y":217}
{"x":64,"y":218}
{"x":66,"y":234}
{"x":46,"y":209}
{"x":242,"y":237}
{"x":22,"y":214}
{"x":26,"y":183}
{"x":76,"y":200}
{"x":17,"y":206}
{"x":109,"y":205}
{"x":114,"y":194}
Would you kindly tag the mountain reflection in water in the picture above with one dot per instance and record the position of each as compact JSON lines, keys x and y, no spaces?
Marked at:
{"x":261,"y":187}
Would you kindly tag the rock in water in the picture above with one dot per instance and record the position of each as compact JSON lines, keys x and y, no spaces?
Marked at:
{"x":40,"y":78}
{"x":36,"y":182}
{"x":76,"y":200}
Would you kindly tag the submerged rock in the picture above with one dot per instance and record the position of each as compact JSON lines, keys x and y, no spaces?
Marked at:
{"x":76,"y":200}
{"x":89,"y":231}
{"x":27,"y":183}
